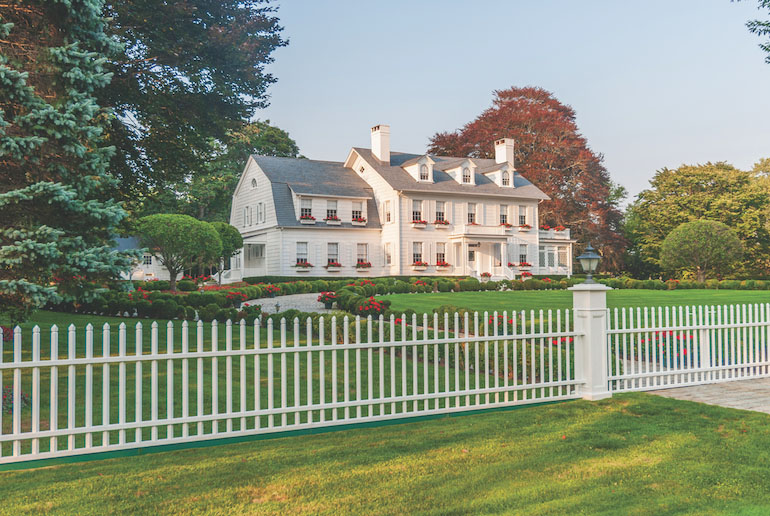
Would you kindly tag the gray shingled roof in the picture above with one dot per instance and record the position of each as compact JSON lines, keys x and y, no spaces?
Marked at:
{"x":400,"y":179}
{"x":314,"y":177}
{"x":304,"y":176}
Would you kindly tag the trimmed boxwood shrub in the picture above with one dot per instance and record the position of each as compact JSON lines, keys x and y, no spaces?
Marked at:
{"x":186,"y":286}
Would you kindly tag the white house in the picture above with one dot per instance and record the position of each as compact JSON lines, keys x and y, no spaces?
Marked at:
{"x":147,"y":268}
{"x":401,"y":213}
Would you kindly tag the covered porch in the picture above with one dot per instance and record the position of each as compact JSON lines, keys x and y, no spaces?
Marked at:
{"x":477,"y":255}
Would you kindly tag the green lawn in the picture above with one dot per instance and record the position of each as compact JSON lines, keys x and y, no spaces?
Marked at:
{"x":633,"y":454}
{"x":561,"y":299}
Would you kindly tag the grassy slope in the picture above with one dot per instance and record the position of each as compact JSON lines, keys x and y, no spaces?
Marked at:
{"x":633,"y":454}
{"x":561,"y":299}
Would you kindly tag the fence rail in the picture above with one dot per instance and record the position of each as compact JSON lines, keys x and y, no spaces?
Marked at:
{"x":668,"y":347}
{"x":117,"y":388}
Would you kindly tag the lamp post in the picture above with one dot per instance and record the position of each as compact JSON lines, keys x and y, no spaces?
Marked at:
{"x":589,"y":260}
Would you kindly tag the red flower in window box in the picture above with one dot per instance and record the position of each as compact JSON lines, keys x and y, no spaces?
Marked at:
{"x":303,"y":265}
{"x":333,"y":218}
{"x":363,"y":265}
{"x":545,"y":227}
{"x":559,"y":228}
{"x":441,"y":222}
{"x":525,"y":264}
{"x":506,"y":225}
{"x":306,"y":217}
{"x":420,"y":264}
{"x":419,"y":222}
{"x":525,"y":226}
{"x":333,"y":264}
{"x":359,"y":219}
{"x":442,"y":263}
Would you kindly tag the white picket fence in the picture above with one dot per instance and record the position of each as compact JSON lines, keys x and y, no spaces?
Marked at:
{"x":664,"y":347}
{"x":127,"y":389}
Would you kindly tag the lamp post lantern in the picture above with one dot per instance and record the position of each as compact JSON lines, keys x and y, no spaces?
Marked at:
{"x":589,"y":260}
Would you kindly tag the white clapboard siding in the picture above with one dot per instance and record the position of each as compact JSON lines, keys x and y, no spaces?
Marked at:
{"x":136,"y":388}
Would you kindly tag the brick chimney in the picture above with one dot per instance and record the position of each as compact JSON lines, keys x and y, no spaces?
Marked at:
{"x":381,"y":142}
{"x":504,"y":150}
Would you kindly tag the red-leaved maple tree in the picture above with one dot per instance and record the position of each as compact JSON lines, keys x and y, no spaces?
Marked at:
{"x":552,"y":154}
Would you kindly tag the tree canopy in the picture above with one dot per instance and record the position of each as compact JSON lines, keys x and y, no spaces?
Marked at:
{"x":550,"y":152}
{"x":179,"y":241}
{"x":762,"y":28}
{"x":232,"y":242}
{"x":187,"y":73}
{"x":705,"y":247}
{"x":56,"y":203}
{"x":714,"y":191}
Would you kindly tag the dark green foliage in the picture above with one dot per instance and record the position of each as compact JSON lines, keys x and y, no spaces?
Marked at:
{"x":186,"y":286}
{"x":58,"y":215}
{"x":703,"y":247}
{"x":762,"y":28}
{"x":188,"y":73}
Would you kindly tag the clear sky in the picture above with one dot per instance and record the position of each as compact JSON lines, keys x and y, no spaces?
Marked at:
{"x":655,"y":84}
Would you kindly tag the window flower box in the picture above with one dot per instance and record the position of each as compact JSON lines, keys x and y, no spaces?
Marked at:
{"x":441,"y":224}
{"x":559,"y":228}
{"x":511,"y":265}
{"x":333,"y":266}
{"x":359,"y":221}
{"x":363,"y":266}
{"x":507,"y":227}
{"x":524,"y":228}
{"x":545,"y":227}
{"x":332,"y":221}
{"x":303,"y":266}
{"x":443,"y":266}
{"x":419,"y":224}
{"x":419,"y":266}
{"x":307,"y":219}
{"x":525,"y":266}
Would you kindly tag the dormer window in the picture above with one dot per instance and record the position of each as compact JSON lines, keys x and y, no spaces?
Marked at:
{"x":466,"y":176}
{"x":424,"y":175}
{"x":506,"y":178}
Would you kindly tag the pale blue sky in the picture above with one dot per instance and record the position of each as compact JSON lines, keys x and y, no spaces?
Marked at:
{"x":654,"y":84}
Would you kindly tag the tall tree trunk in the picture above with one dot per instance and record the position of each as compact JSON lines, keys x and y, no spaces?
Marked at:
{"x":172,"y":280}
{"x":700,"y":274}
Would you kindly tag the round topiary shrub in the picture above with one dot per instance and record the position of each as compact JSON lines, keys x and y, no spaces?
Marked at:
{"x":186,"y":286}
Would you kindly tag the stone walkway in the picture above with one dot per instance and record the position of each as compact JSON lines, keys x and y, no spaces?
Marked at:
{"x":743,"y":394}
{"x":302,"y":302}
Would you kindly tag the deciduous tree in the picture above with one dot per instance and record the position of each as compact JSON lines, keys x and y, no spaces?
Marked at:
{"x":714,"y":191}
{"x":705,"y":247}
{"x":179,"y":241}
{"x":58,"y":215}
{"x":550,"y":152}
{"x":762,"y":28}
{"x":232,"y":242}
{"x":189,"y":71}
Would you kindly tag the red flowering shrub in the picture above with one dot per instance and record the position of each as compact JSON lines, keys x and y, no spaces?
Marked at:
{"x":327,"y":297}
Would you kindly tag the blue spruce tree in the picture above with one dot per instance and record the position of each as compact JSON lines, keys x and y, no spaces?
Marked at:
{"x":57,"y":213}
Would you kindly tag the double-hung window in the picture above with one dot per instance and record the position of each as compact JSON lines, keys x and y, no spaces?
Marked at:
{"x":522,"y":215}
{"x":358,"y":210}
{"x":440,"y":252}
{"x":424,"y":173}
{"x":440,"y":210}
{"x":522,"y":253}
{"x":471,"y":213}
{"x":416,"y":252}
{"x":388,"y":254}
{"x":386,"y":209}
{"x":562,"y":256}
{"x":416,"y":210}
{"x":332,"y":252}
{"x":331,"y":210}
{"x":362,"y":253}
{"x":506,"y":178}
{"x":503,"y":214}
{"x":466,"y":175}
{"x":306,"y":208}
{"x":301,"y":252}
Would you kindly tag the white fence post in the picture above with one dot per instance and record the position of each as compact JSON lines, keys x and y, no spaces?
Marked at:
{"x":591,"y":358}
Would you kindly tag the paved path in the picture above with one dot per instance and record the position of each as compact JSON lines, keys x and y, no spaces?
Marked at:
{"x":302,"y":302}
{"x":742,"y":394}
